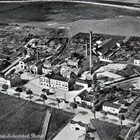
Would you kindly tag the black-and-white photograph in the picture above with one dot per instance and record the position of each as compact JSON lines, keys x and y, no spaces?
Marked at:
{"x":69,"y":69}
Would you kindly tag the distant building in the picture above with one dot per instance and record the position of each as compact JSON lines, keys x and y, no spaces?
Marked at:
{"x":105,"y":59}
{"x":86,"y":76}
{"x":111,"y":107}
{"x":47,"y":64}
{"x":109,"y":74}
{"x":56,"y":81}
{"x":36,"y":67}
{"x":84,"y":83}
{"x":77,"y":125}
{"x":73,"y":62}
{"x":66,"y":71}
{"x":22,"y":64}
{"x":47,"y":67}
{"x":85,"y":99}
{"x":137,"y":60}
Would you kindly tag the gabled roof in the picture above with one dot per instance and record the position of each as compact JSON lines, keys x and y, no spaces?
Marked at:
{"x":137,"y":57}
{"x":78,"y":122}
{"x":113,"y":105}
{"x":84,"y":81}
{"x":86,"y":96}
{"x":57,"y":77}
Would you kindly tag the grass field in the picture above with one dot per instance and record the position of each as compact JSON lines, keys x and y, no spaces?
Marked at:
{"x":27,"y":120}
{"x":8,"y":104}
{"x":58,"y":120}
{"x":106,"y":131}
{"x":62,"y":12}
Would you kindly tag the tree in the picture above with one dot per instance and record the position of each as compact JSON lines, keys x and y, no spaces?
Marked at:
{"x":67,"y":102}
{"x":104,"y":115}
{"x":122,"y":118}
{"x":5,"y":87}
{"x":30,"y":93}
{"x":58,"y":101}
{"x":44,"y":97}
{"x":19,"y":90}
{"x":93,"y":111}
{"x":45,"y":91}
{"x":73,"y":106}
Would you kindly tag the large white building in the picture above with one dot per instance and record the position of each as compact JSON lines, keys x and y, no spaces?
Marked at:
{"x":56,"y":82}
{"x":111,"y":107}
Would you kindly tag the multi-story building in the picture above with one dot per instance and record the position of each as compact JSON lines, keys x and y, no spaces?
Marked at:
{"x":73,"y":62}
{"x":47,"y":67}
{"x":57,"y":82}
{"x":34,"y":67}
{"x":66,"y":71}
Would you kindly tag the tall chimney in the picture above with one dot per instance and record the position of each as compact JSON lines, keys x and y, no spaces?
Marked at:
{"x":86,"y":48}
{"x":90,"y":42}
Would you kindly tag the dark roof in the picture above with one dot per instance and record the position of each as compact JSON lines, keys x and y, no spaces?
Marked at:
{"x":73,"y":122}
{"x":81,"y":124}
{"x":113,"y":105}
{"x":57,"y":77}
{"x":78,"y":122}
{"x":84,"y":81}
{"x":137,"y":57}
{"x":123,"y":110}
{"x":122,"y":102}
{"x":86,"y":96}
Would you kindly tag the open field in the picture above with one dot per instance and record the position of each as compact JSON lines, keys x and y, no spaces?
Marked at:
{"x":106,"y":131}
{"x":76,"y":17}
{"x":58,"y":120}
{"x":27,"y":120}
{"x":8,"y":104}
{"x":62,"y":12}
{"x":125,"y":1}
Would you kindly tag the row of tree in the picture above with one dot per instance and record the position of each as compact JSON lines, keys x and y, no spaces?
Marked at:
{"x":43,"y":96}
{"x":121,"y":116}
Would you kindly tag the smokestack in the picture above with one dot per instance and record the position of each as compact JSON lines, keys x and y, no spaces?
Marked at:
{"x":86,"y":48}
{"x":37,"y":54}
{"x":90,"y":42}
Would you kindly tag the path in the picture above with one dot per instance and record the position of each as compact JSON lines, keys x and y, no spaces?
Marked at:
{"x":46,"y":125}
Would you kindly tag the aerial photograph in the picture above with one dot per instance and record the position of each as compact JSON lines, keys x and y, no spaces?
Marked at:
{"x":69,"y":69}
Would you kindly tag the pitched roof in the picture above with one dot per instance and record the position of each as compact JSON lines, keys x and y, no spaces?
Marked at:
{"x":86,"y":96}
{"x":84,"y":81}
{"x":137,"y":57}
{"x":78,"y":122}
{"x":113,"y":105}
{"x":57,"y":77}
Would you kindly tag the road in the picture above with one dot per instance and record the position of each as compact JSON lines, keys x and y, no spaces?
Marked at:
{"x":45,"y":125}
{"x":131,"y":132}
